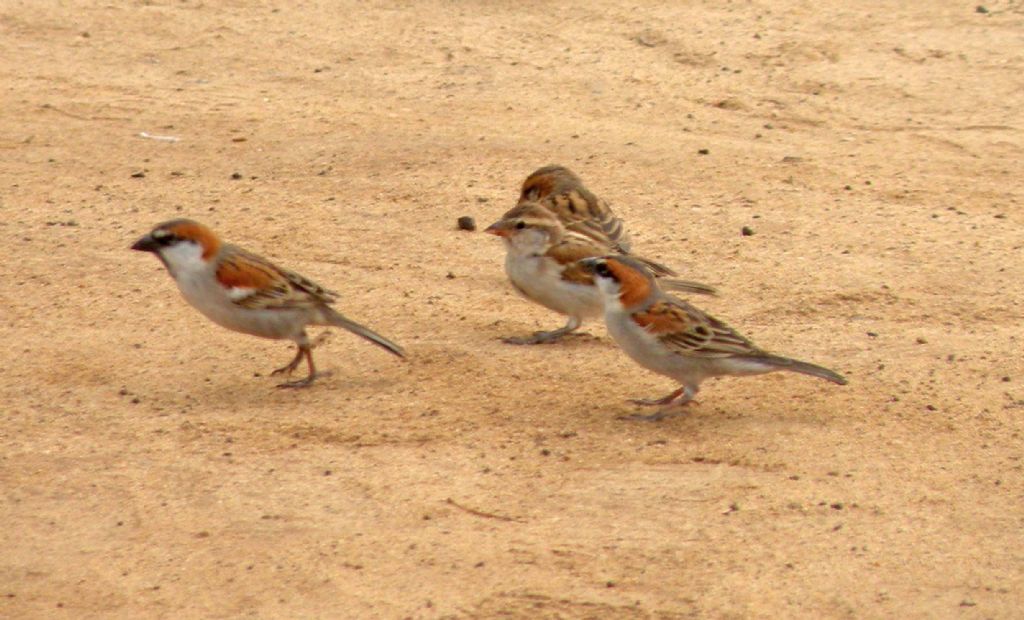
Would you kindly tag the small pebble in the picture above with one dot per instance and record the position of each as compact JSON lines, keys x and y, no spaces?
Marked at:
{"x":138,"y":175}
{"x":703,"y":151}
{"x":236,"y":176}
{"x":466,"y":223}
{"x":981,"y":9}
{"x":747,"y":231}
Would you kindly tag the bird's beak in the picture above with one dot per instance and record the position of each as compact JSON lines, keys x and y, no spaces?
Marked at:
{"x":499,"y":228}
{"x":146,"y":243}
{"x":588,"y":264}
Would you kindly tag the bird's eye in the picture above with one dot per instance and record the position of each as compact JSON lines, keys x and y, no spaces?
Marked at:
{"x":520,"y":225}
{"x":602,"y":270}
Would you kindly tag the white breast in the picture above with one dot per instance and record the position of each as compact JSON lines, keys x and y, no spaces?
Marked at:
{"x":539,"y":279}
{"x":196,"y":280}
{"x":646,"y":350}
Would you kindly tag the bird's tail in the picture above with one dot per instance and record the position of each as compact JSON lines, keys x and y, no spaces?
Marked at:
{"x":686,"y":286}
{"x":655,"y":267}
{"x":333,"y":317}
{"x":784,"y":363}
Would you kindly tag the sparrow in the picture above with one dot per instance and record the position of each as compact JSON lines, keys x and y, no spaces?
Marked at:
{"x":562,"y":192}
{"x":246,"y":293}
{"x":673,"y":338}
{"x":541,"y":261}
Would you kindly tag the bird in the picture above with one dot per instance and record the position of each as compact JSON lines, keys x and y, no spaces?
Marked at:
{"x":541,"y":261}
{"x":247,"y":293}
{"x":562,"y":192}
{"x":673,"y":338}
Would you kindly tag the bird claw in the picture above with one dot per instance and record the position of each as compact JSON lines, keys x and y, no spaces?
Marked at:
{"x":302,"y":383}
{"x":649,"y":402}
{"x":290,"y":367}
{"x":297,"y":384}
{"x":660,"y":414}
{"x":537,"y":338}
{"x":541,"y":337}
{"x":671,"y":405}
{"x":653,"y":417}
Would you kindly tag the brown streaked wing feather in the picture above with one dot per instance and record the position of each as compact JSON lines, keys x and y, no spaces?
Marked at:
{"x":687,"y":331}
{"x":562,"y":192}
{"x":237,"y":271}
{"x":583,"y":212}
{"x":572,"y":248}
{"x":322,"y":294}
{"x":272,"y":287}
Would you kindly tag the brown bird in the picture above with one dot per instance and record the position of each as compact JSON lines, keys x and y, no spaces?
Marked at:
{"x":673,"y":338}
{"x":541,"y":262}
{"x":247,"y":293}
{"x":562,"y":192}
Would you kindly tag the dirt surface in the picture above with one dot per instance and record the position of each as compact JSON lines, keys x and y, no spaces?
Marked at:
{"x":150,"y":469}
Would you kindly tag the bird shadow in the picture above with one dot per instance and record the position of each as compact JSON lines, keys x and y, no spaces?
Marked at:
{"x":569,"y":341}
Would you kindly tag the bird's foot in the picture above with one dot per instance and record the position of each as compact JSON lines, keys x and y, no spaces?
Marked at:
{"x":303,"y":383}
{"x":670,"y":407}
{"x":536,"y":338}
{"x":284,"y":370}
{"x":668,"y":399}
{"x":288,"y":368}
{"x":661,"y":414}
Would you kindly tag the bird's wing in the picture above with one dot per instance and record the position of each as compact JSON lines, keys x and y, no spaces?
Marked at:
{"x":688,"y":331}
{"x":571,"y":248}
{"x":583,"y":212}
{"x":254,"y":282}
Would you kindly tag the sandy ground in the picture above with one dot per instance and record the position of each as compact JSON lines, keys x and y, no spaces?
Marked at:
{"x":150,"y":469}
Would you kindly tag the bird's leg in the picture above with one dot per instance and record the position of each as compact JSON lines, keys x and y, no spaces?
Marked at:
{"x":673,"y":405}
{"x":307,"y":351}
{"x":546,"y":337}
{"x":292,"y":365}
{"x":655,"y":402}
